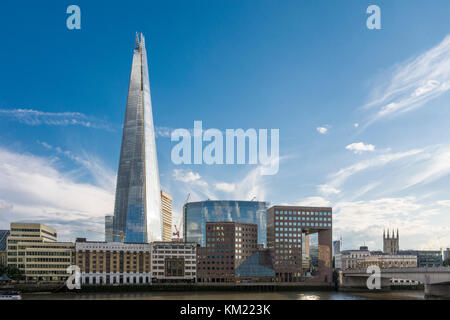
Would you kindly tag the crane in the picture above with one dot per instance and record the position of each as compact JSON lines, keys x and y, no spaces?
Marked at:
{"x":177,"y":231}
{"x":121,"y":235}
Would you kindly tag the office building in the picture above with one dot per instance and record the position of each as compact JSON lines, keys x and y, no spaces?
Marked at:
{"x":113,"y":263}
{"x":391,"y":243}
{"x":425,"y":258}
{"x":3,"y":245}
{"x":137,"y":210}
{"x":285,"y":226}
{"x":336,"y":247}
{"x":447,"y":254}
{"x":166,"y":205}
{"x":228,"y":245}
{"x":196,"y":214}
{"x":109,"y":228}
{"x":33,"y":248}
{"x":363,"y":258}
{"x":174,"y":262}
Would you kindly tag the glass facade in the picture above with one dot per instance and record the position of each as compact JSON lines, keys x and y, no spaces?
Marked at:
{"x":137,"y":211}
{"x":254,"y":267}
{"x":109,"y":225}
{"x":3,"y":236}
{"x":196,"y":214}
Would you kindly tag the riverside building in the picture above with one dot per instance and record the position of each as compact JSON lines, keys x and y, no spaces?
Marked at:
{"x":196,"y":214}
{"x":33,"y":248}
{"x":228,"y":245}
{"x":285,"y":227}
{"x":113,"y":263}
{"x":174,"y":262}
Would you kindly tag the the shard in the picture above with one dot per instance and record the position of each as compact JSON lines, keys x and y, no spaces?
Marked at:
{"x":137,"y":211}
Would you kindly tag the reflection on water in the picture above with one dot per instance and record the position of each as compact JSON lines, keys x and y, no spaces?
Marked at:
{"x":397,"y":295}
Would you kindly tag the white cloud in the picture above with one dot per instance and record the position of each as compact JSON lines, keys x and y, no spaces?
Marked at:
{"x":364,"y":221}
{"x":188,"y":177}
{"x":356,"y":125}
{"x":322,"y":130}
{"x":360,"y":147}
{"x":414,"y":83}
{"x":34,"y":189}
{"x":226,"y":187}
{"x":313,"y":202}
{"x":34,"y":118}
{"x":327,"y":189}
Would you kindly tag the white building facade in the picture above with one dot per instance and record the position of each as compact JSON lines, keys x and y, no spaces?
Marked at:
{"x":174,"y":262}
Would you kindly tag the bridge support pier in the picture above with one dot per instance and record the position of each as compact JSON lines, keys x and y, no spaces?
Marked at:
{"x":440,"y":290}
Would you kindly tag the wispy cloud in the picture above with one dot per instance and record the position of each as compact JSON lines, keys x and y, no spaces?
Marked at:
{"x":225,"y":187}
{"x":327,"y":189}
{"x":102,"y":175}
{"x":338,"y":178}
{"x":35,"y":189}
{"x":35,"y":118}
{"x":413,"y":83}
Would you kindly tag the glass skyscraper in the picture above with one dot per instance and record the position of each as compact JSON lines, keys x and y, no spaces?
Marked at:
{"x":109,"y":228}
{"x":196,"y":214}
{"x":137,"y":211}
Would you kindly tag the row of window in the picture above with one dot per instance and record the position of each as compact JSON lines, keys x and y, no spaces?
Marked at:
{"x":303,"y":218}
{"x":312,"y":213}
{"x":307,"y":224}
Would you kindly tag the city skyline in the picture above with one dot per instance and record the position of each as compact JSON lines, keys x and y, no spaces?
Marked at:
{"x":362,"y":114}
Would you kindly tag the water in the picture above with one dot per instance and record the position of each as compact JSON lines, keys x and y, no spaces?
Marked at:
{"x":319,"y":295}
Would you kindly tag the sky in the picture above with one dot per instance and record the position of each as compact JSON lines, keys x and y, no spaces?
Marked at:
{"x":363,"y":115}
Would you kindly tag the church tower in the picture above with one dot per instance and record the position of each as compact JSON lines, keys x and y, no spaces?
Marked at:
{"x":390,"y":243}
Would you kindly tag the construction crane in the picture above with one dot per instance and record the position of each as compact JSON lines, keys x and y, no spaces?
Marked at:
{"x":110,"y":234}
{"x":177,"y":231}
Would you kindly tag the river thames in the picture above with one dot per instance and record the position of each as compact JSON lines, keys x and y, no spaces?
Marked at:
{"x":319,"y":295}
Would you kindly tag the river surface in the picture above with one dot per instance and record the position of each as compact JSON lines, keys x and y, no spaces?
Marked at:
{"x":319,"y":295}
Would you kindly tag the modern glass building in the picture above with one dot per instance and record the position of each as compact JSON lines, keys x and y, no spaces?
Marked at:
{"x":137,"y":211}
{"x":109,"y":228}
{"x":196,"y":214}
{"x":4,"y":234}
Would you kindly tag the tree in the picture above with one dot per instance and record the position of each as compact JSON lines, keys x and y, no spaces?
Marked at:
{"x":447,"y":262}
{"x":12,"y":272}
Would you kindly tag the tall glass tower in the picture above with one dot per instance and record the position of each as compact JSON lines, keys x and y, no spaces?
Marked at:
{"x":137,"y":211}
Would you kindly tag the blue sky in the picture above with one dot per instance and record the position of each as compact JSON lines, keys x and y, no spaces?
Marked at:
{"x":363,"y":114}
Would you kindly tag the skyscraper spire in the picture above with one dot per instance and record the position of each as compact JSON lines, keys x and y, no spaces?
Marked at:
{"x":137,"y":210}
{"x":136,"y":44}
{"x":142,"y":40}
